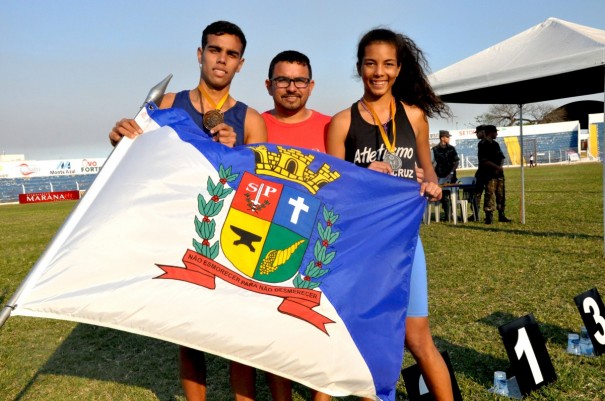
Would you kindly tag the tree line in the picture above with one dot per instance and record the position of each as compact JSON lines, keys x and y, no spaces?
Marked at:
{"x":507,"y":115}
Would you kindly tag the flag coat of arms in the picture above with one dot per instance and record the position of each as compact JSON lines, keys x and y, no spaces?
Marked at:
{"x":284,"y":259}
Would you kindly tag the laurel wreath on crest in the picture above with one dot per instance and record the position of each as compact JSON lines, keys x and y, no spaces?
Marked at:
{"x":209,"y":209}
{"x":255,"y":207}
{"x":206,"y":229}
{"x":316,"y":268}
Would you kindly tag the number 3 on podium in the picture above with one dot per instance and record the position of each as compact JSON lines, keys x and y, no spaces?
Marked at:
{"x":590,"y":306}
{"x":529,"y":358}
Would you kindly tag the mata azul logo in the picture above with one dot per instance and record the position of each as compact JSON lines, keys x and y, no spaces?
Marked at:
{"x":63,"y":165}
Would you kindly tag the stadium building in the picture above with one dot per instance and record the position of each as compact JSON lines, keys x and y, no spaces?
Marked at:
{"x":562,"y":142}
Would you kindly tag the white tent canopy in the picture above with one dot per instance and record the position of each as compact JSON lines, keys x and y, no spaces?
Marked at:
{"x":552,"y":60}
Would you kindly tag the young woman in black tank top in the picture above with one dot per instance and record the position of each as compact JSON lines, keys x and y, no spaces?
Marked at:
{"x":387,"y":131}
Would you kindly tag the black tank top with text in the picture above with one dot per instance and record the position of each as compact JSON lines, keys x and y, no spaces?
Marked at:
{"x":364,"y":143}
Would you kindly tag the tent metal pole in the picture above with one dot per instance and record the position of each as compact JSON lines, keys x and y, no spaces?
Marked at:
{"x":522,"y":164}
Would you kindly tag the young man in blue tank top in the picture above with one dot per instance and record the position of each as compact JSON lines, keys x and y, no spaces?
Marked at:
{"x":220,"y":57}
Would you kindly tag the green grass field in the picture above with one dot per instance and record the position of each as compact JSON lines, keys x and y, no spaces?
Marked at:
{"x":479,"y":278}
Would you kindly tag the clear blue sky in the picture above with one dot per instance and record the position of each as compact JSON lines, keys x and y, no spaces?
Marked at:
{"x":70,"y":69}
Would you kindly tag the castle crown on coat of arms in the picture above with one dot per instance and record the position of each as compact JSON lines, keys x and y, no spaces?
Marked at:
{"x":293,"y":165}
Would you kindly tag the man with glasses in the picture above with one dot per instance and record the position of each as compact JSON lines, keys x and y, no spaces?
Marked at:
{"x":290,"y":122}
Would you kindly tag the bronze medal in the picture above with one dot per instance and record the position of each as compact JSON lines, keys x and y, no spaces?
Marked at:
{"x":212,"y":118}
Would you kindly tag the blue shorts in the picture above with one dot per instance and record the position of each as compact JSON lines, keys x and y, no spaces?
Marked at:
{"x":418,"y":305}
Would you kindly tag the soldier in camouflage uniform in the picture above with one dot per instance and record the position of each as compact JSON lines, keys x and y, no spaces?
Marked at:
{"x":479,"y":180}
{"x":490,"y":166}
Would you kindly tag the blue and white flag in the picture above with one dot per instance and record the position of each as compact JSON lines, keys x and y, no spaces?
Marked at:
{"x":281,"y":258}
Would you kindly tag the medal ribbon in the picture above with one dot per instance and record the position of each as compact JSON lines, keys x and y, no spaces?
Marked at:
{"x":205,"y":95}
{"x":385,"y":138}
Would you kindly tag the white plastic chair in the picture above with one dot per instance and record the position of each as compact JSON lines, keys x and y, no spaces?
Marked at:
{"x":432,"y":207}
{"x":463,"y":203}
{"x":464,"y":196}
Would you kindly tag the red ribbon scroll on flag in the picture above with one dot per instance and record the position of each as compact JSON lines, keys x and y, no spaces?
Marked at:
{"x":202,"y":271}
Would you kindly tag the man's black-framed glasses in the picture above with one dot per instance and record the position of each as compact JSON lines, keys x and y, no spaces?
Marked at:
{"x":284,"y":82}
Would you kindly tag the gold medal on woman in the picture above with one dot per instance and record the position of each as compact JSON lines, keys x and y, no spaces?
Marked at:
{"x":213,"y":117}
{"x":390,"y":156}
